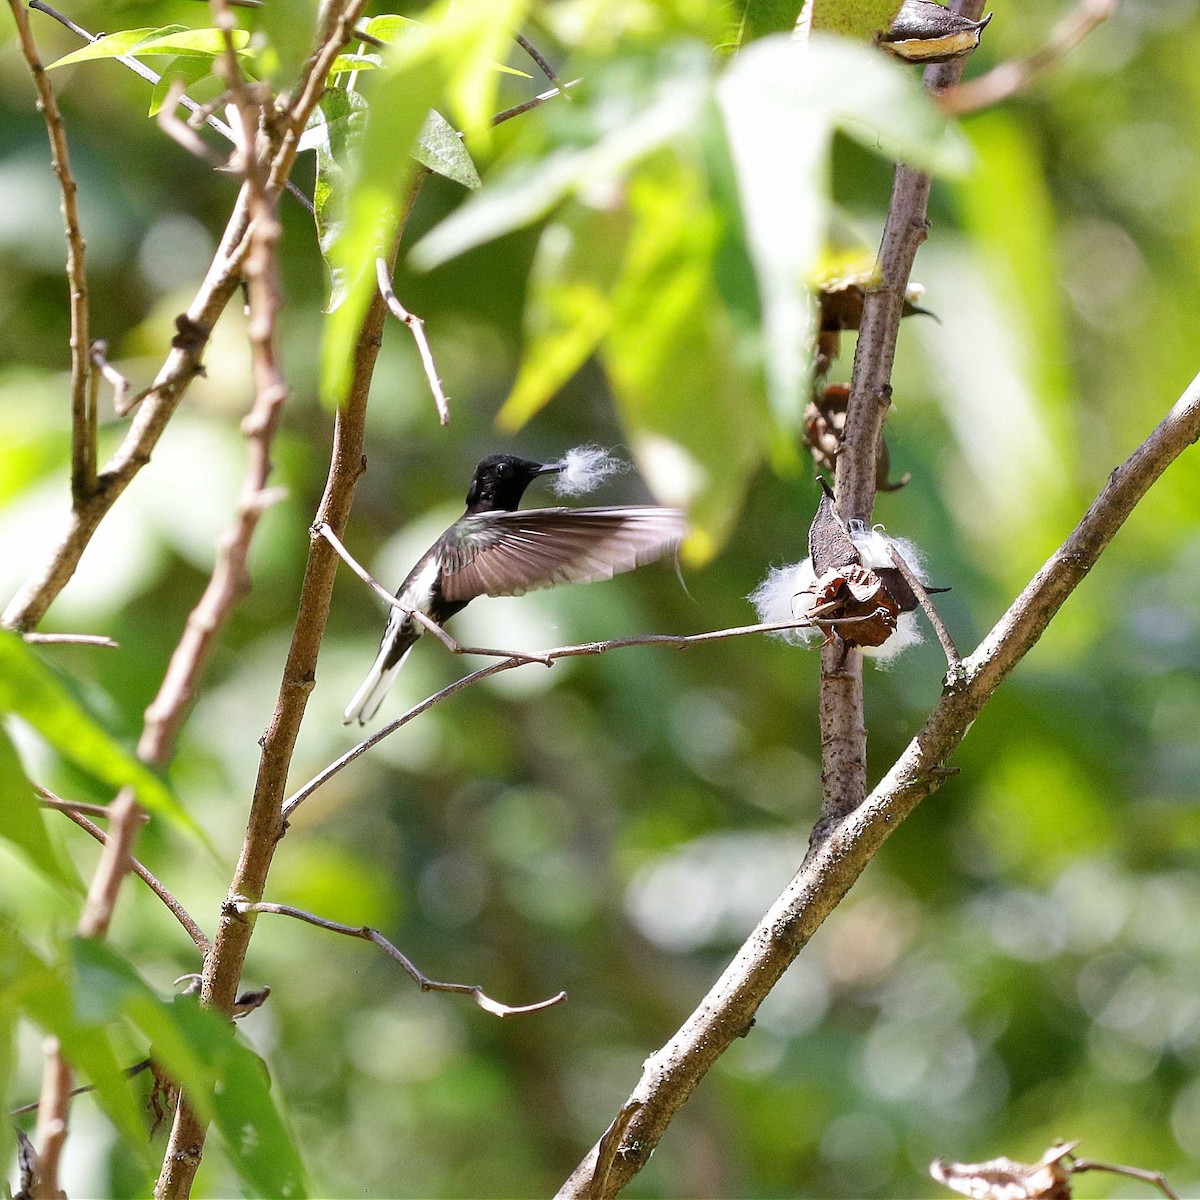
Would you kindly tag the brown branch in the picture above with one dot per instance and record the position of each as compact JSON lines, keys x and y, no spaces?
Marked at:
{"x":671,"y":1074}
{"x":247,"y":907}
{"x":416,"y":327}
{"x":229,"y":581}
{"x":51,"y":1135}
{"x":223,"y":965}
{"x":115,"y":859}
{"x":843,"y":728}
{"x":1154,"y":1178}
{"x":953,"y":658}
{"x":1009,"y":78}
{"x":75,"y":813}
{"x":336,"y":32}
{"x":83,"y":442}
{"x":114,"y":378}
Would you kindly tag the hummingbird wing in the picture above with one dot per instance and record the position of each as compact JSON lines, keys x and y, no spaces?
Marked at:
{"x":509,"y":553}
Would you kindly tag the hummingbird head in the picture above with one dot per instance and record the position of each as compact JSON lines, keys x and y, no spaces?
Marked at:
{"x":500,"y":482}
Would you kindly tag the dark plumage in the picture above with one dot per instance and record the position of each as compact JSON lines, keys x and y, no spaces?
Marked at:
{"x":495,"y":550}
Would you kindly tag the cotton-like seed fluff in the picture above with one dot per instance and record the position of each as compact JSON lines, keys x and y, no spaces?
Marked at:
{"x":585,"y":468}
{"x":787,"y":595}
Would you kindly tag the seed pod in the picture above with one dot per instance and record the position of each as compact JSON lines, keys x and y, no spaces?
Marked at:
{"x":925,"y":32}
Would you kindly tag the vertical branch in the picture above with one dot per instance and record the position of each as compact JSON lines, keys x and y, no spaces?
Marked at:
{"x":83,"y":446}
{"x":843,"y":728}
{"x":265,"y":826}
{"x":228,"y":582}
{"x":51,"y":1133}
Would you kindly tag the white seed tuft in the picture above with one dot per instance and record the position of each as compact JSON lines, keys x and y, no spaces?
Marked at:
{"x":786,"y":595}
{"x":585,"y":468}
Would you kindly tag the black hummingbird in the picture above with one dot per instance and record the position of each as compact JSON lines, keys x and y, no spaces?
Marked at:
{"x":494,"y":550}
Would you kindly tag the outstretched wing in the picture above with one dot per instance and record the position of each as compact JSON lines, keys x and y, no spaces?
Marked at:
{"x":507,"y":554}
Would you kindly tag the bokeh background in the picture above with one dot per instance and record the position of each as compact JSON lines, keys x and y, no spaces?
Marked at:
{"x":1021,"y":961}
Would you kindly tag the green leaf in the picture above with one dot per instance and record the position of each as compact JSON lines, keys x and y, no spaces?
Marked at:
{"x":345,"y":63}
{"x":226,"y":1080}
{"x":191,"y":68}
{"x":21,"y":820}
{"x":530,"y":191}
{"x":697,"y":427}
{"x":759,"y":18}
{"x":782,"y":101}
{"x":43,"y":994}
{"x":568,"y":307}
{"x":389,"y":27}
{"x":334,"y":130}
{"x":29,"y":689}
{"x":289,"y":26}
{"x":169,"y":39}
{"x":113,"y":45}
{"x":860,"y":19}
{"x":258,"y":1143}
{"x":441,"y":150}
{"x":436,"y":64}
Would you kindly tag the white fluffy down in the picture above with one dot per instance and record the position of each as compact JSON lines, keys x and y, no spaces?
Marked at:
{"x":785,"y":594}
{"x":873,"y":547}
{"x":585,"y":468}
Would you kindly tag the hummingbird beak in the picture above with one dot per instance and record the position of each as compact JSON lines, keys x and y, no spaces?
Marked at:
{"x":552,"y":468}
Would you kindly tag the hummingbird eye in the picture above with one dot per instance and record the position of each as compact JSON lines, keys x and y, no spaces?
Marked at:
{"x":502,"y":469}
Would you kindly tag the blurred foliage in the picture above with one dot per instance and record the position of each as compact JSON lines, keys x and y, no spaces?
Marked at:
{"x":1021,"y":961}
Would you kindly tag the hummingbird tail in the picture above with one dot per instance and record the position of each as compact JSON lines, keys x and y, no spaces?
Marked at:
{"x":369,"y":697}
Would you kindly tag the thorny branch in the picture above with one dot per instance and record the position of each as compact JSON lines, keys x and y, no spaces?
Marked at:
{"x":83,"y":439}
{"x":1009,"y":78}
{"x":671,"y":1074}
{"x":367,"y":933}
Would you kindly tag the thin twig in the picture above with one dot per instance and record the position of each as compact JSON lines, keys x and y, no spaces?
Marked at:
{"x":416,"y":327}
{"x":672,"y":1073}
{"x":75,"y":813}
{"x":130,"y":1072}
{"x":537,"y":56}
{"x":114,"y":378}
{"x":953,"y":658}
{"x":422,"y":980}
{"x":535,"y":102}
{"x":83,"y":445}
{"x":181,"y":132}
{"x":70,"y":639}
{"x":1009,"y":78}
{"x":513,"y":659}
{"x":1154,"y":1178}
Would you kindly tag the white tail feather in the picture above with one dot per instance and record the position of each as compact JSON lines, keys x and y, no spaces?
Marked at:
{"x":369,"y":697}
